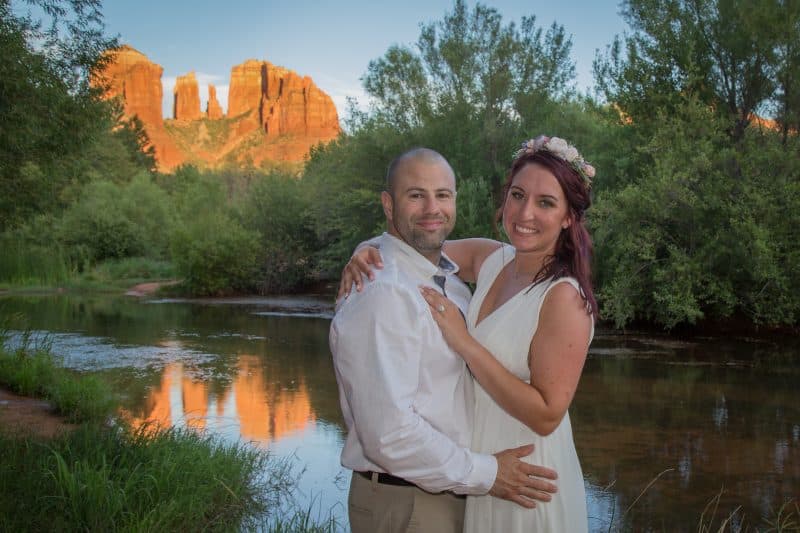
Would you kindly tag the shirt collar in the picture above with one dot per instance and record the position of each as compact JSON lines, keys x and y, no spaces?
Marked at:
{"x":446,"y":265}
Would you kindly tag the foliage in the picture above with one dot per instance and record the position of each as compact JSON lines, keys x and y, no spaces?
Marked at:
{"x":48,"y":113}
{"x":25,"y":263}
{"x":475,"y":210}
{"x":469,"y":81}
{"x":690,"y":239}
{"x":212,"y":251}
{"x":739,"y":58}
{"x":277,"y":207}
{"x":34,"y":371}
{"x":117,"y":221}
{"x":101,"y":479}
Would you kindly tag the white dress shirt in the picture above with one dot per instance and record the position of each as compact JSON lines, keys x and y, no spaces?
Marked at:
{"x":406,"y":397}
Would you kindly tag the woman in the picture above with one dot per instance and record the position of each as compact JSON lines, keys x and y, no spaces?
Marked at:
{"x":527,"y":330}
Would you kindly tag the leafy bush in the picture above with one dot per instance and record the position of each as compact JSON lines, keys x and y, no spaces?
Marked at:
{"x":215,"y":255}
{"x":115,"y":221}
{"x":277,"y":207}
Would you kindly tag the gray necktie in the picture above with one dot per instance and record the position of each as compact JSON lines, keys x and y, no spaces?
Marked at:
{"x":439,"y":280}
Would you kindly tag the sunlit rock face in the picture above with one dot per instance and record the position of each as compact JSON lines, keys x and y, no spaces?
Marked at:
{"x":186,"y":93}
{"x":282,"y":101}
{"x":274,"y":114}
{"x":213,"y":109}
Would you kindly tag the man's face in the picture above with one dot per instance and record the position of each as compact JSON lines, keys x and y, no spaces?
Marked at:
{"x":421,"y":209}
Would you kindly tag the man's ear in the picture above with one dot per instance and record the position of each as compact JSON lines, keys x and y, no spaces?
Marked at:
{"x":388,"y":204}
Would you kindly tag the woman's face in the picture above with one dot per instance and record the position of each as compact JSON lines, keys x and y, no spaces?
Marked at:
{"x":535,"y":210}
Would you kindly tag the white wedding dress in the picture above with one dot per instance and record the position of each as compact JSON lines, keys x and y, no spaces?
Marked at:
{"x":507,"y":334}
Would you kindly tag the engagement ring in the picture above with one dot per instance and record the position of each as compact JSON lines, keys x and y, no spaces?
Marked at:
{"x":440,"y":308}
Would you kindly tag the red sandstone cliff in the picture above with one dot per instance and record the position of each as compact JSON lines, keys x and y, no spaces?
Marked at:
{"x":186,"y":103}
{"x":274,"y":114}
{"x":213,"y":109}
{"x":281,"y":101}
{"x":133,"y":78}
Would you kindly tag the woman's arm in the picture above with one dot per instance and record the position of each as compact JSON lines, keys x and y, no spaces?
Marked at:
{"x":556,"y":357}
{"x":469,"y":255}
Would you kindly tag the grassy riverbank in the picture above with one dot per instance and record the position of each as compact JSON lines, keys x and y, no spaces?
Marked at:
{"x":104,"y":476}
{"x":34,"y":272}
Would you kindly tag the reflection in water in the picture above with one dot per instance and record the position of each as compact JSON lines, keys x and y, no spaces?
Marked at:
{"x":268,"y":411}
{"x":265,"y":411}
{"x":662,"y":426}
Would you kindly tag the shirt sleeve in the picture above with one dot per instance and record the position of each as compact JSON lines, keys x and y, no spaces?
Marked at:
{"x":378,"y":355}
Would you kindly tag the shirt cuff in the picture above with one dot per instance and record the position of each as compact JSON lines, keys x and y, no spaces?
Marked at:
{"x":481,"y":479}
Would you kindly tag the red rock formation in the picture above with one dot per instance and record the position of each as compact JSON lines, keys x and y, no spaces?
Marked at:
{"x":133,"y":78}
{"x":273,"y":113}
{"x":213,"y":109}
{"x":286,"y":103}
{"x":246,"y":87}
{"x":186,"y":103}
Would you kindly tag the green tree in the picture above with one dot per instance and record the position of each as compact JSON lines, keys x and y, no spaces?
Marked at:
{"x":688,"y":241}
{"x":739,"y":58}
{"x":47,"y":110}
{"x":470,"y":79}
{"x":278,"y":209}
{"x":119,"y":220}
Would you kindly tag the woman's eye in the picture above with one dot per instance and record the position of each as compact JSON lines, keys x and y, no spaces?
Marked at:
{"x":516,"y":195}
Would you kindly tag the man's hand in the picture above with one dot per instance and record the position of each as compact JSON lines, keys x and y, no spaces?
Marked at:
{"x":520,"y":482}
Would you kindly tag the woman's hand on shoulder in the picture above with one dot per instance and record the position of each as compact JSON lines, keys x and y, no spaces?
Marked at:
{"x":359,"y":266}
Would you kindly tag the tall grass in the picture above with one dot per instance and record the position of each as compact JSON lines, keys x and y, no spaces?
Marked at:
{"x":102,"y":479}
{"x":35,"y":371}
{"x":111,"y":477}
{"x":785,"y":519}
{"x":26,"y":264}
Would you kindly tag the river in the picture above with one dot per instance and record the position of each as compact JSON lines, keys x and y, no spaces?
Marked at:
{"x":671,"y":433}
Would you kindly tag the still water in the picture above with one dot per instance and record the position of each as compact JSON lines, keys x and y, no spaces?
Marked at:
{"x":671,"y":433}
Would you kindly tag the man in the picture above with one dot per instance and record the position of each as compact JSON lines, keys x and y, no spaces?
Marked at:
{"x":405,"y":395}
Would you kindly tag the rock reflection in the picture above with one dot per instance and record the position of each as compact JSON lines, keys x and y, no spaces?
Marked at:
{"x":262,"y":411}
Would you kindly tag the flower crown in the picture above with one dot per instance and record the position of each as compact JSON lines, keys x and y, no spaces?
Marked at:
{"x":561,"y":149}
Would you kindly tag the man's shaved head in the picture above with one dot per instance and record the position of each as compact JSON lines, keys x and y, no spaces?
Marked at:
{"x":425,"y":155}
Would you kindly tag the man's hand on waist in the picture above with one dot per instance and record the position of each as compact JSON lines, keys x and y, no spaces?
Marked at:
{"x":521,"y":482}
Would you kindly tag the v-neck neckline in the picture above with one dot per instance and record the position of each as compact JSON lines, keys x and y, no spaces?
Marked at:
{"x":478,"y":319}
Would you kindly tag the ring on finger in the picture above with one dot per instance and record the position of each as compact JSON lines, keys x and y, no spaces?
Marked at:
{"x":440,"y":308}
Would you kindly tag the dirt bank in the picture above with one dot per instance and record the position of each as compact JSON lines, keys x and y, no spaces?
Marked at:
{"x":22,"y":415}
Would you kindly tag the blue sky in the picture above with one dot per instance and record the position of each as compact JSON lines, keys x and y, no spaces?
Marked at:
{"x":333,"y":42}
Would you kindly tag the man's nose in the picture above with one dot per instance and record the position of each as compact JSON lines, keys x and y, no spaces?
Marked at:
{"x":432,"y":205}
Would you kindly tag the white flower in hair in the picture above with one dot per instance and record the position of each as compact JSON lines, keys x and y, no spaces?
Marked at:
{"x":561,"y":149}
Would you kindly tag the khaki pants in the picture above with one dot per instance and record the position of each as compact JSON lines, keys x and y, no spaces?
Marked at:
{"x":379,"y":508}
